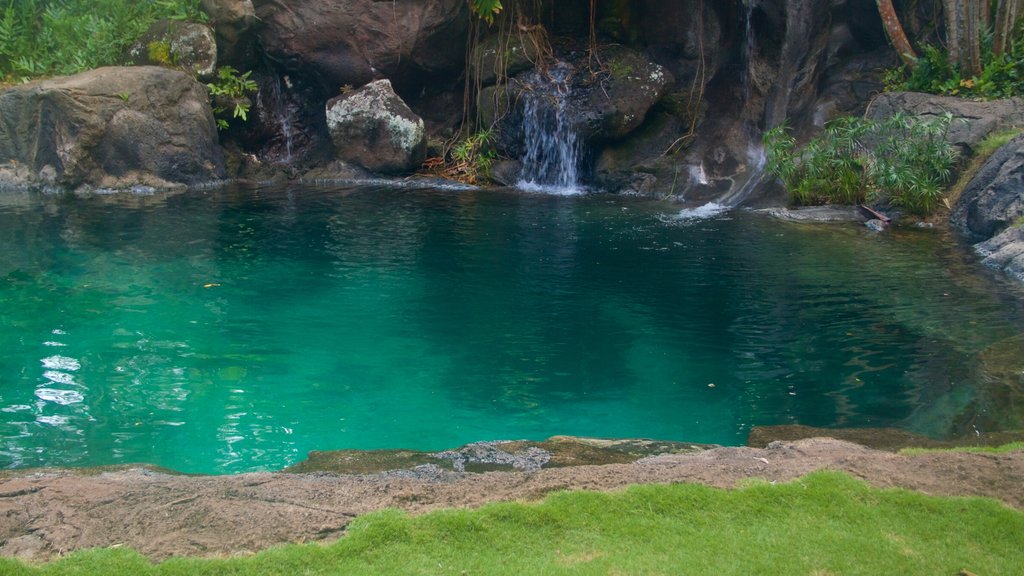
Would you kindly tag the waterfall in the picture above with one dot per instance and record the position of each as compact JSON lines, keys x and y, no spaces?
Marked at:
{"x":749,"y":45}
{"x":552,"y":147}
{"x":275,"y":107}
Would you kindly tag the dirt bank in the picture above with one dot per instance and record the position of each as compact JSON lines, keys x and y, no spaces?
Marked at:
{"x":46,"y":514}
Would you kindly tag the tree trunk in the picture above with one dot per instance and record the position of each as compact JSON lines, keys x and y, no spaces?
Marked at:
{"x":970,"y":52}
{"x":1007,"y":13}
{"x":894,"y":30}
{"x":953,"y":36}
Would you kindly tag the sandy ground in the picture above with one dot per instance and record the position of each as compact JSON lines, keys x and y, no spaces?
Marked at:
{"x":43,"y":515}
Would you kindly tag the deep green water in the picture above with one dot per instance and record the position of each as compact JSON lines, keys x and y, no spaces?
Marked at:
{"x":237,"y":330}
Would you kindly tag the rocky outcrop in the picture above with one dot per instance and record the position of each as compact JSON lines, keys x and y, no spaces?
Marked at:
{"x":373,"y":127}
{"x":1005,"y":252}
{"x":600,"y":107}
{"x":109,"y":128}
{"x":972,"y":121}
{"x":187,"y":45}
{"x":994,"y":198}
{"x":356,"y":41}
{"x":990,"y":210}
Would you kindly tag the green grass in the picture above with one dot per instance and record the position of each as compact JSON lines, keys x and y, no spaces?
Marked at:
{"x":826,"y":523}
{"x":1011,"y":447}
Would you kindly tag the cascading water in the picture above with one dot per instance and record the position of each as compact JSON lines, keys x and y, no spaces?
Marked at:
{"x":552,"y":147}
{"x":749,"y":45}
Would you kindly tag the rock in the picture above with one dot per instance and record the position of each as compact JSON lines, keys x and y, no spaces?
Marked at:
{"x":599,"y":108}
{"x":188,"y":45}
{"x":1005,"y":252}
{"x":110,"y":128}
{"x":356,"y":41}
{"x":618,"y":104}
{"x":496,"y":58}
{"x":994,"y":198}
{"x":816,"y":214}
{"x":373,"y":127}
{"x":972,"y":121}
{"x":231,"y":19}
{"x":875,"y":225}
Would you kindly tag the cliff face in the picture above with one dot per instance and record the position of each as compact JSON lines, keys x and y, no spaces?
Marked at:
{"x":734,"y":69}
{"x":667,"y":98}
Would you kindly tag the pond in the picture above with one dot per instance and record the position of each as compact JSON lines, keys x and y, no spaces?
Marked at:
{"x":237,"y":329}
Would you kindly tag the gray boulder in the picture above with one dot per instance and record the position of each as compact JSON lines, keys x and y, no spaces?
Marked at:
{"x":994,"y":198}
{"x":188,"y":45}
{"x":972,"y":121}
{"x":373,"y":128}
{"x":109,"y":128}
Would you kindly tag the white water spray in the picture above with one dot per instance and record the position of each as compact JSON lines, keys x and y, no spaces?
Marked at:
{"x":551,"y":160}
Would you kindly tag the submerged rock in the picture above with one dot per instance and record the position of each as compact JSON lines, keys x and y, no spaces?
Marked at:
{"x":109,"y":128}
{"x":521,"y":455}
{"x":373,"y":127}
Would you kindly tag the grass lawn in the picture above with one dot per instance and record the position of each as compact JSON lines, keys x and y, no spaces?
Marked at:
{"x":824,"y":524}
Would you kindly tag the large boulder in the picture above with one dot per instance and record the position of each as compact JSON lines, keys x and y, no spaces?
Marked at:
{"x":617,"y":104}
{"x":972,"y":120}
{"x":188,"y":45}
{"x":356,"y":41}
{"x":373,"y":128}
{"x":109,"y":128}
{"x":600,"y":107}
{"x":994,"y":198}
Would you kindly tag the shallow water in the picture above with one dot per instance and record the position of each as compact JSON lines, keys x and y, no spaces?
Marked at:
{"x":236,"y":330}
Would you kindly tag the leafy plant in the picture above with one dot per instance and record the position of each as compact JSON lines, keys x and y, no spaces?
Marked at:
{"x":231,"y":92}
{"x":486,"y":10}
{"x":903,"y":160}
{"x":472,"y":157}
{"x":468,"y":160}
{"x":1002,"y":74}
{"x":48,"y":37}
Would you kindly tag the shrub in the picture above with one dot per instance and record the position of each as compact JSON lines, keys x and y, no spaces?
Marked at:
{"x":50,"y":37}
{"x":1002,"y":76}
{"x":902,"y":160}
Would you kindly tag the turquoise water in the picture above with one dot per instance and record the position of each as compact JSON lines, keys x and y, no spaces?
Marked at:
{"x":237,"y":330}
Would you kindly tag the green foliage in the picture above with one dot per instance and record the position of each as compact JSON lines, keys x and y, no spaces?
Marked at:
{"x":471,"y":158}
{"x":903,"y":160}
{"x":825,"y":523}
{"x":50,"y":37}
{"x":1001,"y":76}
{"x":486,"y":10}
{"x":233,"y":88}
